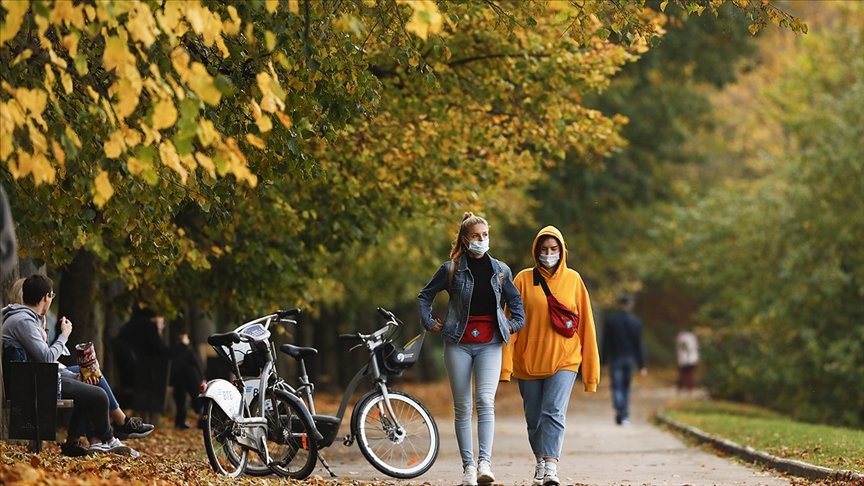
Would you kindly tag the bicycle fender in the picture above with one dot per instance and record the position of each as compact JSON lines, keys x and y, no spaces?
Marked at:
{"x":302,"y":407}
{"x":355,"y":415}
{"x":225,"y":395}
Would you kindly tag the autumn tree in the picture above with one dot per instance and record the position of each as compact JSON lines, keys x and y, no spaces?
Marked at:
{"x":161,"y":142}
{"x":774,"y":245}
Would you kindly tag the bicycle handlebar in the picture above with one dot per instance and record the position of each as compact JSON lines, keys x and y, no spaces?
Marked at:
{"x":282,"y":314}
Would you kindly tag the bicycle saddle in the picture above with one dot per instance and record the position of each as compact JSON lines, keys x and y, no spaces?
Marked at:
{"x":297,"y":352}
{"x":224,"y":339}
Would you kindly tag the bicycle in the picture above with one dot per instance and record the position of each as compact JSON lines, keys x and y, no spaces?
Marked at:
{"x":394,"y":431}
{"x":279,"y":428}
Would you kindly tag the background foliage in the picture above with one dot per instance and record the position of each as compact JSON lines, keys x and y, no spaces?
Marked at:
{"x":238,"y":158}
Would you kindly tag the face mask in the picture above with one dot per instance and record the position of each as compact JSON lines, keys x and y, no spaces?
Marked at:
{"x":549,"y":261}
{"x":478,"y":247}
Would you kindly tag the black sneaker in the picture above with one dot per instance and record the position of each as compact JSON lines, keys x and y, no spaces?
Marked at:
{"x":73,"y":449}
{"x":134,"y":428}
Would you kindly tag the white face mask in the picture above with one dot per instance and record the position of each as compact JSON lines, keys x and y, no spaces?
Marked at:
{"x":479,"y":247}
{"x":551,"y":260}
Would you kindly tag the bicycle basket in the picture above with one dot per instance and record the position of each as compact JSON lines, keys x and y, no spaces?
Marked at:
{"x":249,"y":359}
{"x":395,"y":361}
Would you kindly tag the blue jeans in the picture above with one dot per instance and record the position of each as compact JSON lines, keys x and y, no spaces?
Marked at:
{"x":485,"y":361}
{"x":545,"y":403}
{"x":621,"y":371}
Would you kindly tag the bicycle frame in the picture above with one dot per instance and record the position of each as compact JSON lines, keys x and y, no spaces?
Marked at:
{"x":379,"y":380}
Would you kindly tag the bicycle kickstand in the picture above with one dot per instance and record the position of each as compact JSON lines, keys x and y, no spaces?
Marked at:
{"x":326,"y":466}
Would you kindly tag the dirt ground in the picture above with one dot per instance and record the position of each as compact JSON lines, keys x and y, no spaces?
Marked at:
{"x":596,"y":450}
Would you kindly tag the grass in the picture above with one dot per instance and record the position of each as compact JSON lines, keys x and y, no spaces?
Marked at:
{"x":768,"y":431}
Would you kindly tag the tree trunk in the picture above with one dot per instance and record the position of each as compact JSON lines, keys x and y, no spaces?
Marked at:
{"x":75,"y":301}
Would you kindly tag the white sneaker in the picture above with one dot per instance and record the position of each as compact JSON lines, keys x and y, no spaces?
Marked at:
{"x":114,"y":446}
{"x":539,"y":472}
{"x":550,"y":476}
{"x":484,"y":473}
{"x":469,"y":475}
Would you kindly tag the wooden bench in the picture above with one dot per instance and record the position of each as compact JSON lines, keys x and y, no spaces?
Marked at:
{"x":32,"y":401}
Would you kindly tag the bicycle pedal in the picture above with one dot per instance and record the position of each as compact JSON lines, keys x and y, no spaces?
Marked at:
{"x":348,"y":440}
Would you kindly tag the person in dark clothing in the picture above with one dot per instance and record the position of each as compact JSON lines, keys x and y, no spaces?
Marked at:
{"x":623,"y":349}
{"x":142,"y":335}
{"x":186,"y":378}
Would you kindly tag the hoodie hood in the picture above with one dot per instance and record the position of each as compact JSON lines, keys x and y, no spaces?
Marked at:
{"x":13,"y":310}
{"x":562,"y":265}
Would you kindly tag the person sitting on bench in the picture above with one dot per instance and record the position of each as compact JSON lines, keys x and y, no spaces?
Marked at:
{"x":24,"y":339}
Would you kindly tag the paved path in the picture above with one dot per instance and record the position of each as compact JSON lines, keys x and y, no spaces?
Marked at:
{"x":596,"y":451}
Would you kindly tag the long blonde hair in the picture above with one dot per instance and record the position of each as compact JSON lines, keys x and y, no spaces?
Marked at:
{"x":468,"y":222}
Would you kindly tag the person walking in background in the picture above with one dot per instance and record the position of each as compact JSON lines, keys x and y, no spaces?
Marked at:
{"x":473,"y":329}
{"x":687,"y":347}
{"x":142,"y":335}
{"x":186,"y":378}
{"x":545,"y":362}
{"x":623,"y":351}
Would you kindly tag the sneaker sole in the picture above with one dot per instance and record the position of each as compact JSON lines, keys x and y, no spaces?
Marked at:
{"x":485,"y":479}
{"x":134,"y":435}
{"x":551,"y":482}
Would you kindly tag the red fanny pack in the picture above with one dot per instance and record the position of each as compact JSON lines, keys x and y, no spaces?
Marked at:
{"x":479,"y":329}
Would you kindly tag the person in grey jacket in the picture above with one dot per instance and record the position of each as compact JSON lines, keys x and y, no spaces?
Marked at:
{"x":24,"y":339}
{"x":473,"y":330}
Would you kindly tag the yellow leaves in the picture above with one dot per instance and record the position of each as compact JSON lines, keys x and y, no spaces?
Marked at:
{"x":36,"y":164}
{"x":116,"y":54}
{"x":70,"y":42}
{"x":73,"y":136}
{"x":270,"y":40}
{"x":115,"y":145}
{"x":294,"y":6}
{"x":207,"y":163}
{"x":426,"y":18}
{"x":67,"y":13}
{"x":6,"y":144}
{"x":37,"y":139}
{"x":33,"y":100}
{"x":206,"y":23}
{"x":164,"y":114}
{"x":141,"y":25}
{"x":102,"y":189}
{"x":233,"y":27}
{"x":93,"y":94}
{"x":66,"y":79}
{"x":263,"y":121}
{"x":169,"y":157}
{"x":207,"y":133}
{"x":59,"y":153}
{"x":272,"y":93}
{"x":137,"y":166}
{"x":286,"y":121}
{"x":202,"y":84}
{"x":271,"y":5}
{"x":255,"y":141}
{"x":15,"y":11}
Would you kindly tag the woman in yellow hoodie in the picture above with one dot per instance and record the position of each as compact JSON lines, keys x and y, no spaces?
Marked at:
{"x":544,"y":362}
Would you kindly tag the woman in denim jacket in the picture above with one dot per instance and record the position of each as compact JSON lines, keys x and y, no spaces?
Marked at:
{"x":473,"y":329}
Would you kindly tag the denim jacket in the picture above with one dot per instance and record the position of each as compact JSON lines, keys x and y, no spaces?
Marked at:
{"x":460,"y":298}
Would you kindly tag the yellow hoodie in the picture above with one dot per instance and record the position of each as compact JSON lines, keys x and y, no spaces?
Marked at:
{"x":538,"y":351}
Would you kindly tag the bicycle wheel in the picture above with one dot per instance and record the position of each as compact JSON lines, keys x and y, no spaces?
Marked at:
{"x":290,"y":441}
{"x":226,"y":455}
{"x":401,"y":455}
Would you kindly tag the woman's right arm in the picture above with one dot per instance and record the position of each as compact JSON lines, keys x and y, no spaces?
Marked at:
{"x":427,"y":295}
